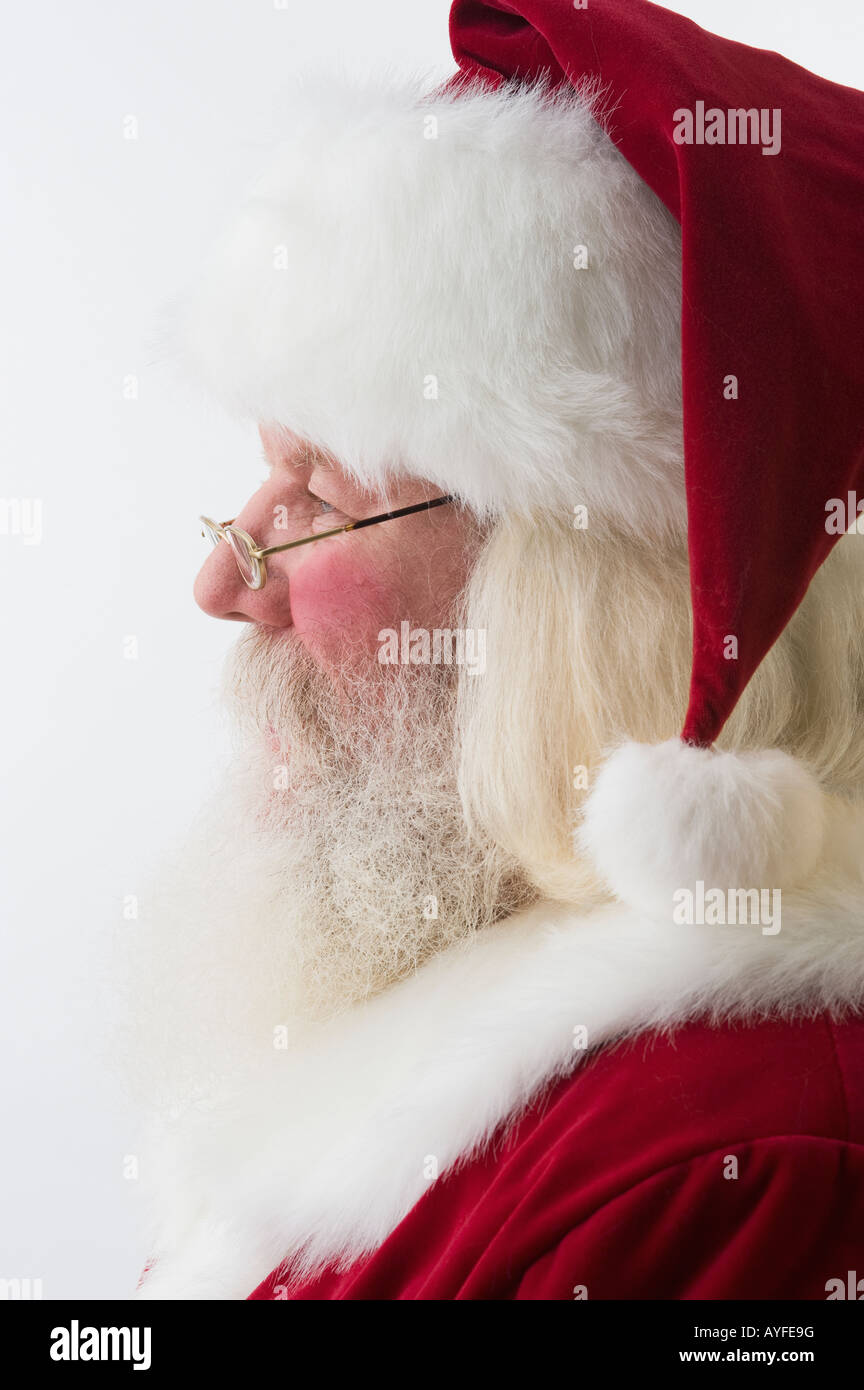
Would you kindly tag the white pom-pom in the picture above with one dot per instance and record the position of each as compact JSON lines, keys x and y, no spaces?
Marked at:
{"x":662,"y":817}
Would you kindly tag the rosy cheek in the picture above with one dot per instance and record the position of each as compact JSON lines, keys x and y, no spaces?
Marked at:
{"x":336,"y":601}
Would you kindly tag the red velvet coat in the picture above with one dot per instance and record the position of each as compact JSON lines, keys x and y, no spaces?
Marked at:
{"x":715,"y":1163}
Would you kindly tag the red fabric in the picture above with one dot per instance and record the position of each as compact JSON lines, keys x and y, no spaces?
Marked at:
{"x":773,"y":288}
{"x":614,"y":1179}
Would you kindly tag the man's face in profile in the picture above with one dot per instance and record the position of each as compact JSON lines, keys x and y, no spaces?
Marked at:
{"x":332,"y":599}
{"x":335,"y":857}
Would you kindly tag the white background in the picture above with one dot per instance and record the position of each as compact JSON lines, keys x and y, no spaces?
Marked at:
{"x":104,"y":758}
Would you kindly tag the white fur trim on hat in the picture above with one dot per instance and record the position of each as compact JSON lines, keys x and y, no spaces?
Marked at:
{"x":661,"y":818}
{"x":403,"y":286}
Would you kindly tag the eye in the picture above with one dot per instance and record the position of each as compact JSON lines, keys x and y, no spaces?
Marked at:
{"x":325,"y":515}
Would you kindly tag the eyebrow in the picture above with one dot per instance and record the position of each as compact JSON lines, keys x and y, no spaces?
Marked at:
{"x":304,"y":456}
{"x":345,"y":488}
{"x":314,"y":457}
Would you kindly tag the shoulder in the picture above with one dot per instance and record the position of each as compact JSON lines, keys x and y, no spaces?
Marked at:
{"x":711,"y":1162}
{"x":667,"y":1094}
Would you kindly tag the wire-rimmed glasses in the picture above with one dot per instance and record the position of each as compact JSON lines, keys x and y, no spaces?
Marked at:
{"x":252,"y":559}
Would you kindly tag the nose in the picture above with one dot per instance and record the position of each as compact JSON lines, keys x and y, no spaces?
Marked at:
{"x":220,"y":590}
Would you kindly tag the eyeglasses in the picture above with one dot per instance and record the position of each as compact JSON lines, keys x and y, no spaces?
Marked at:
{"x":252,"y":560}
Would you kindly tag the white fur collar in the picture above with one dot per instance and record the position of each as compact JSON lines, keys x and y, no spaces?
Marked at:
{"x":331,"y":1147}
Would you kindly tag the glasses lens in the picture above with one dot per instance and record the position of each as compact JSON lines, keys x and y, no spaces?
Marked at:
{"x":249,"y":566}
{"x":210,"y":531}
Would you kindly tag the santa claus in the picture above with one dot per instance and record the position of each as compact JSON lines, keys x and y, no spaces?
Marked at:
{"x":476,"y":980}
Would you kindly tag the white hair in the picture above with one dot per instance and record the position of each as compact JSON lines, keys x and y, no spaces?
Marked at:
{"x":589,"y":644}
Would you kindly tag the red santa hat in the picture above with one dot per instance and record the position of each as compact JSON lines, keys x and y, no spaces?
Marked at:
{"x":519,"y":285}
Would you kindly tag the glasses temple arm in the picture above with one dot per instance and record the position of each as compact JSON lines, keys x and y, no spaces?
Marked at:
{"x":356,"y":525}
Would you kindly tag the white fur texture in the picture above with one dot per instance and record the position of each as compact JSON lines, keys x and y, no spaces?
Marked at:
{"x":661,"y":817}
{"x":399,"y":287}
{"x":328,"y":1151}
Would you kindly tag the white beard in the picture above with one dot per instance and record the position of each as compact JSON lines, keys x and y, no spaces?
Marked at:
{"x":334,"y":860}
